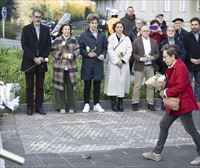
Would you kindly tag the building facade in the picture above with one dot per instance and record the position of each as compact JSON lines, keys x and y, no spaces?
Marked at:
{"x":148,"y":9}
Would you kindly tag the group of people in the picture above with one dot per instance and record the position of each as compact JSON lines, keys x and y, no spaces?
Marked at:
{"x":170,"y":50}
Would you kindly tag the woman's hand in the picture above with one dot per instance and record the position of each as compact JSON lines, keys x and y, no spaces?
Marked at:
{"x":119,"y":64}
{"x":67,"y":56}
{"x":162,"y":93}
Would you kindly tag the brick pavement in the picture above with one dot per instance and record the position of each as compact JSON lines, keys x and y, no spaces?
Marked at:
{"x":114,"y":140}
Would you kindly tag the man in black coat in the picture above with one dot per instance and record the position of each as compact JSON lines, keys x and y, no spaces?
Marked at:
{"x":180,"y":32}
{"x":128,"y":20}
{"x":36,"y":45}
{"x":192,"y":59}
{"x":93,"y":48}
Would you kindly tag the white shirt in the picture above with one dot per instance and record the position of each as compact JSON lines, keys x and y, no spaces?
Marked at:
{"x":147,"y":49}
{"x":37,"y":30}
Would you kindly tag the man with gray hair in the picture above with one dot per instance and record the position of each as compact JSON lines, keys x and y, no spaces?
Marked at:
{"x":36,"y":45}
{"x":145,"y":52}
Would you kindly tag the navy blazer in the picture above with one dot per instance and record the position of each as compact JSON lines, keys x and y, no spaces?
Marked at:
{"x":32,"y":47}
{"x":92,"y":68}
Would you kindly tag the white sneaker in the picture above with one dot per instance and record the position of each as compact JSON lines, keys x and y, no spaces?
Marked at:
{"x":152,"y":156}
{"x":86,"y":108}
{"x":196,"y":161}
{"x":62,"y":111}
{"x":98,"y":108}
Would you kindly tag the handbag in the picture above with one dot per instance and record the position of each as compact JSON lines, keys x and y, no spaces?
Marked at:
{"x":172,"y":103}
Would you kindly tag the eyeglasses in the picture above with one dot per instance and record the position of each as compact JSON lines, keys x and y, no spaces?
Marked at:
{"x":38,"y":17}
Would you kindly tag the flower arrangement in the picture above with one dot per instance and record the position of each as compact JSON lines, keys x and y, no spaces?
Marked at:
{"x":8,"y":95}
{"x":157,"y":81}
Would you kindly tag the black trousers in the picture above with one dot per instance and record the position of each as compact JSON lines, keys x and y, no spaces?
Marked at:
{"x":36,"y":79}
{"x":96,"y":91}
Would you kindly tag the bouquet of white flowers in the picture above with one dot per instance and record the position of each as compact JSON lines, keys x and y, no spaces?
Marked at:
{"x":157,"y":81}
{"x":8,"y":95}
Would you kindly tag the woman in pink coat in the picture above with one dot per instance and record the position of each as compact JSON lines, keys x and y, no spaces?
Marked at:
{"x":178,"y":85}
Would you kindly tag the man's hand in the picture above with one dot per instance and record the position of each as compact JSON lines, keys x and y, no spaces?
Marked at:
{"x":101,"y":57}
{"x":37,"y":60}
{"x":194,"y":61}
{"x":92,"y":54}
{"x":150,"y":58}
{"x":143,"y":59}
{"x":41,"y":59}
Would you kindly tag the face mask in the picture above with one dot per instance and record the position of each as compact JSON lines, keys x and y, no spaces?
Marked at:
{"x":153,"y":27}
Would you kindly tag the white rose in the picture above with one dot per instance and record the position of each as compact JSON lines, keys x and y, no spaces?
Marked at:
{"x":69,"y":56}
{"x":46,"y":59}
{"x":63,"y":43}
{"x":88,"y":49}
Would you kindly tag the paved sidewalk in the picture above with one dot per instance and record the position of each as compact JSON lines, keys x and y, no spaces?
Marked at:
{"x":94,"y":140}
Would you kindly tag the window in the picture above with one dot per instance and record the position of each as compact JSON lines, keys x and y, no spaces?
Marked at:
{"x":198,"y":5}
{"x":143,"y":5}
{"x":167,"y":5}
{"x":182,"y":5}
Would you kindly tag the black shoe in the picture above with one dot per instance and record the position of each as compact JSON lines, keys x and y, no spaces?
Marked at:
{"x":40,"y":111}
{"x":135,"y":107}
{"x":29,"y":111}
{"x":114,"y":103}
{"x":114,"y":107}
{"x":151,"y":107}
{"x":120,"y":105}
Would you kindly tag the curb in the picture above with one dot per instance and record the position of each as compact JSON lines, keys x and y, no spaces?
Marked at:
{"x":50,"y":106}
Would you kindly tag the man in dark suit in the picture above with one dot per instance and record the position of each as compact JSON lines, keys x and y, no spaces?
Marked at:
{"x":36,"y":45}
{"x":145,"y":52}
{"x":191,"y":43}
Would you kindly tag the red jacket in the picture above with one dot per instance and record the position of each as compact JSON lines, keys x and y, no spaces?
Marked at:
{"x":179,"y":85}
{"x":158,"y":36}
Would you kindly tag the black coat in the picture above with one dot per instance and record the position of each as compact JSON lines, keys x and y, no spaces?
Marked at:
{"x":192,"y":49}
{"x":133,"y":34}
{"x":129,"y":22}
{"x":34,"y":48}
{"x":92,"y":68}
{"x":179,"y":36}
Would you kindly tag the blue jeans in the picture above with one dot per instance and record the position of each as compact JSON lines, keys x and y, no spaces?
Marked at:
{"x":196,"y":75}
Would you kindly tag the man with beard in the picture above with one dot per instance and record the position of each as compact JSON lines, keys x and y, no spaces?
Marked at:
{"x":192,"y":59}
{"x":128,"y":20}
{"x":36,"y":45}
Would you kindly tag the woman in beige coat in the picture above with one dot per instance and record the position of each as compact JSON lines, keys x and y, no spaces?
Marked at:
{"x":117,"y":80}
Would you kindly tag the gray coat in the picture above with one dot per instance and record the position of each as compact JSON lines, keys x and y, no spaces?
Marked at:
{"x":138,"y":52}
{"x":92,"y":68}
